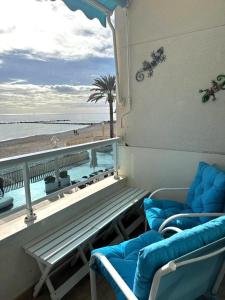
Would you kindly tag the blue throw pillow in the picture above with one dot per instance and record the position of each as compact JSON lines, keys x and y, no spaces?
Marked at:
{"x":207,"y":191}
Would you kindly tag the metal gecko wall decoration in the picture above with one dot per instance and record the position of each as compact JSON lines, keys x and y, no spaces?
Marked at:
{"x":157,"y":58}
{"x":216,"y":87}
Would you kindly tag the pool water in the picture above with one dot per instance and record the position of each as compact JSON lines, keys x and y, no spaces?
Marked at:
{"x":104,"y":160}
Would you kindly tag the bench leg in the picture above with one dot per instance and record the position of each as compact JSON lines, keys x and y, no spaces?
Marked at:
{"x":83,"y":257}
{"x":117,"y":229}
{"x":93,"y":285}
{"x":51,"y":289}
{"x":48,"y":282}
{"x":123,"y":230}
{"x":91,"y":246}
{"x":44,"y":276}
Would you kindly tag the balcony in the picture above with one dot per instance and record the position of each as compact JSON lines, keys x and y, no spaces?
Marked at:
{"x":92,"y":169}
{"x":36,"y":211}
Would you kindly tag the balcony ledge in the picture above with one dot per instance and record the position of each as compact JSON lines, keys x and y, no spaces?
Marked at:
{"x":14,"y":222}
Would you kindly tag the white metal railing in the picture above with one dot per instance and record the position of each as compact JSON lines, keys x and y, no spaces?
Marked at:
{"x":24,"y":160}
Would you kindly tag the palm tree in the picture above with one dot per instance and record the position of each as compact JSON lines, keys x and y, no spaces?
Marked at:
{"x":105,"y":87}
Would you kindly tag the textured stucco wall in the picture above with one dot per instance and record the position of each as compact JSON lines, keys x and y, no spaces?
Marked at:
{"x":167,"y":115}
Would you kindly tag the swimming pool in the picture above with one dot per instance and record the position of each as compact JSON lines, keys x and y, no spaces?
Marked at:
{"x":104,"y":161}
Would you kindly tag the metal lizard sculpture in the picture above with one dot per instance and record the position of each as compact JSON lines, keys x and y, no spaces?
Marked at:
{"x":157,"y":58}
{"x":216,"y":87}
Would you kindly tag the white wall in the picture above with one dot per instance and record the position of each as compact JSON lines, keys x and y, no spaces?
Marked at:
{"x":168,"y":129}
{"x":154,"y":168}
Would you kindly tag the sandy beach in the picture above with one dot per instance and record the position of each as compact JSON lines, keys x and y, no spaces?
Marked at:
{"x":44,"y":142}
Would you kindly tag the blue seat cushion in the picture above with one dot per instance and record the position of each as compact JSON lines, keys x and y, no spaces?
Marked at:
{"x":207,"y":191}
{"x":157,"y":211}
{"x":154,"y":256}
{"x":206,"y":195}
{"x":124,"y":258}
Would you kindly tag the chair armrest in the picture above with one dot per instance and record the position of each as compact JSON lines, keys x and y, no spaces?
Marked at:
{"x":167,"y":189}
{"x":171,"y":228}
{"x":189,"y":215}
{"x":115,"y":275}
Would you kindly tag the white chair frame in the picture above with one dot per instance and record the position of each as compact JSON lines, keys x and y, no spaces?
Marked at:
{"x":172,"y":266}
{"x":163,"y":228}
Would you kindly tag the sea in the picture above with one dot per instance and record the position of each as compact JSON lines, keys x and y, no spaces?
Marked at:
{"x":11,"y":128}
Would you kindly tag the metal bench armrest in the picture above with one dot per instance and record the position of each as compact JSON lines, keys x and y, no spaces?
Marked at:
{"x":188,"y":215}
{"x":114,"y":274}
{"x":167,"y":189}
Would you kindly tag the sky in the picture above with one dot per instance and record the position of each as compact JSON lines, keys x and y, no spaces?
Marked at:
{"x":49,"y":55}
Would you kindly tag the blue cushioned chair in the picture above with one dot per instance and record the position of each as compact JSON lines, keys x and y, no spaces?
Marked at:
{"x":205,"y":199}
{"x":188,"y":265}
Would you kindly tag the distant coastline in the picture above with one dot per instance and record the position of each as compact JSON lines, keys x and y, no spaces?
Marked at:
{"x":13,"y":126}
{"x":53,"y":122}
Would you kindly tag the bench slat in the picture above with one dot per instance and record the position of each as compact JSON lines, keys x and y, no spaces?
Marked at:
{"x":31,"y":248}
{"x":95,"y":215}
{"x":128,"y":205}
{"x":59,"y":243}
{"x":66,"y":250}
{"x":94,"y":221}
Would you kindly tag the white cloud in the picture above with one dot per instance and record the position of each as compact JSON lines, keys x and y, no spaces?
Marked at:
{"x":18,"y":97}
{"x":17,"y":81}
{"x":50,"y":29}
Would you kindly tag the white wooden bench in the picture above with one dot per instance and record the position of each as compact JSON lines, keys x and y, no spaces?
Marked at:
{"x":50,"y":250}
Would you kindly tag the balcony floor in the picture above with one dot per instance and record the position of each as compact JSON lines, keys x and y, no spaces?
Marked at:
{"x":82,"y":291}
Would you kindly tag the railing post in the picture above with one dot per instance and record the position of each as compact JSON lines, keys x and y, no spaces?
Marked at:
{"x":31,"y":216}
{"x":57,"y":170}
{"x":115,"y":160}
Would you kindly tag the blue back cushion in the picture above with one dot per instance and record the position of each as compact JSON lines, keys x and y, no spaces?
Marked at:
{"x":153,"y":257}
{"x":207,"y":191}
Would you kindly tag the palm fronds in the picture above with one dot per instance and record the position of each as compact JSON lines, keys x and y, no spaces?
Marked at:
{"x":104,"y":87}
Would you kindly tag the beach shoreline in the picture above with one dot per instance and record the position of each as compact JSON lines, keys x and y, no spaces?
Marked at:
{"x":36,"y":143}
